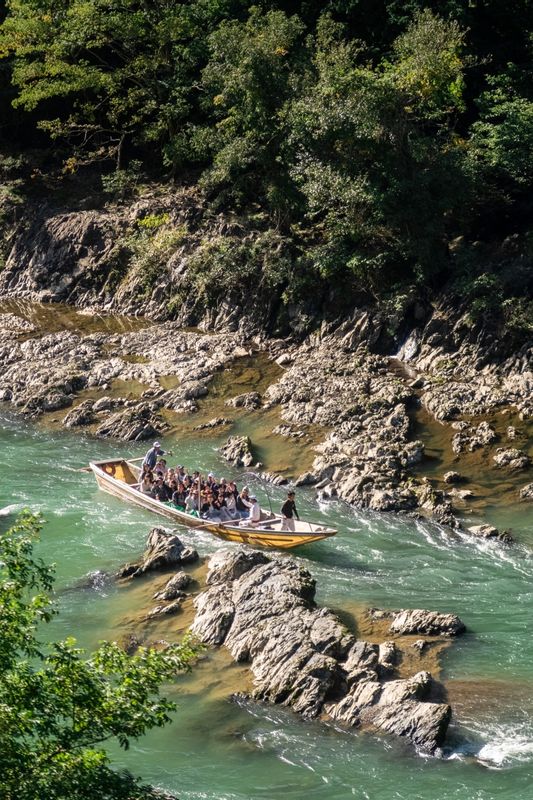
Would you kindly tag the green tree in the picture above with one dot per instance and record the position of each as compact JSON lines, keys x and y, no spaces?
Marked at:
{"x":105,"y":73}
{"x":58,"y":706}
{"x":251,"y":74}
{"x":375,"y":156}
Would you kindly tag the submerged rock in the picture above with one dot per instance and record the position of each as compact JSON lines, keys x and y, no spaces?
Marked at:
{"x":301,"y":656}
{"x":170,"y":608}
{"x":213,"y":423}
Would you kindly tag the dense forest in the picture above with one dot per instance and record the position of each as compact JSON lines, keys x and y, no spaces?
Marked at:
{"x":381,"y":149}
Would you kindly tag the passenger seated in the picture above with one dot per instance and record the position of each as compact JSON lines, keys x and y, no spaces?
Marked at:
{"x":254,"y":517}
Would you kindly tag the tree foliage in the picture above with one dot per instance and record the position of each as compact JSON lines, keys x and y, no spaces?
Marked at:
{"x":60,"y":706}
{"x":371,"y":134}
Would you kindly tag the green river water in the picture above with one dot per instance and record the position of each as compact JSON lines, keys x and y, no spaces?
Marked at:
{"x":218,"y":750}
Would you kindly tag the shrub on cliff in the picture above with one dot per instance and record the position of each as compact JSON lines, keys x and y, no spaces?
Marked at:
{"x":59,"y":706}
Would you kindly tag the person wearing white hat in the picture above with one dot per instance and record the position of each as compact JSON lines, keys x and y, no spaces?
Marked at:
{"x":152,"y":455}
{"x":254,"y":517}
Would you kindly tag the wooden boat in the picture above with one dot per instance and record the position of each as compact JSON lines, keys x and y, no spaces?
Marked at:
{"x":120,"y":478}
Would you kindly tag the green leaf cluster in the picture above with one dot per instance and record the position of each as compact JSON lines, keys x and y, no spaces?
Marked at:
{"x":60,"y":706}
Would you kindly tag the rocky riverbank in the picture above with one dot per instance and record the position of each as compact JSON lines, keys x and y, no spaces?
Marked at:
{"x":367,"y":454}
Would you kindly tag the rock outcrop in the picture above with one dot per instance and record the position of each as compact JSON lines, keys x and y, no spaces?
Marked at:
{"x":490,"y":532}
{"x":428,"y":623}
{"x":511,"y":458}
{"x":163,"y":551}
{"x":238,"y":451}
{"x":302,"y":656}
{"x":526,"y":492}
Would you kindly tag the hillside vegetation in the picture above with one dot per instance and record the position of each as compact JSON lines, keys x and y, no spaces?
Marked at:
{"x":380,"y":151}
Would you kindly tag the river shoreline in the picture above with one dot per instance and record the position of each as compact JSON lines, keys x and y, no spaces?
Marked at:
{"x":376,"y":432}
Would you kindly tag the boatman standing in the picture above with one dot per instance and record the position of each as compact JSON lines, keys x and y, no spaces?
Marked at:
{"x":152,"y":455}
{"x":288,"y":512}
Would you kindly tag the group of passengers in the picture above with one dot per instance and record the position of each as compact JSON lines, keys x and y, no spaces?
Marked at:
{"x":209,"y":498}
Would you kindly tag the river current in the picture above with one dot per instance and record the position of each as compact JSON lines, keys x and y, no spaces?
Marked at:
{"x":219,"y":750}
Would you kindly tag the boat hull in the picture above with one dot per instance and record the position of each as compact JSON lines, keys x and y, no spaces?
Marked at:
{"x":118,"y":478}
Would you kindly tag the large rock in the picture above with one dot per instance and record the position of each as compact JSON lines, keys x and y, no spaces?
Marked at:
{"x":133,"y":424}
{"x":81,"y":415}
{"x":163,"y":550}
{"x":301,"y":656}
{"x":238,"y":451}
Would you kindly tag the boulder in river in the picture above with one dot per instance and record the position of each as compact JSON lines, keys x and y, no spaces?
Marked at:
{"x":302,"y":656}
{"x":164,"y":550}
{"x":83,"y":414}
{"x":238,"y":451}
{"x":428,"y":623}
{"x":173,"y":588}
{"x":452,"y":477}
{"x":526,"y":492}
{"x":250,"y":400}
{"x":511,"y":458}
{"x":490,"y":532}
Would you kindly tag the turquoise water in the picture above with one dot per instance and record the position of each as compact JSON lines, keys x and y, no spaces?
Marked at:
{"x":217,"y":750}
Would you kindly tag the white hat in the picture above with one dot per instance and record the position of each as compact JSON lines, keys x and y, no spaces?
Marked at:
{"x":210,"y":475}
{"x":252,"y":497}
{"x":157,"y":444}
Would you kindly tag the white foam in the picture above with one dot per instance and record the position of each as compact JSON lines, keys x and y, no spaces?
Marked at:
{"x":506,"y":748}
{"x":7,"y":510}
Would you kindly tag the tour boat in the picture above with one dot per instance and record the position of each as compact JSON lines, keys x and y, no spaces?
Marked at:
{"x":120,"y":478}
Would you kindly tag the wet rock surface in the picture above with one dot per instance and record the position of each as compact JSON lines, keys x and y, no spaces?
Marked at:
{"x":420,"y":621}
{"x":302,"y":656}
{"x":163,"y":550}
{"x":490,"y":532}
{"x":367,"y":453}
{"x":526,"y":492}
{"x":511,"y":458}
{"x":238,"y":451}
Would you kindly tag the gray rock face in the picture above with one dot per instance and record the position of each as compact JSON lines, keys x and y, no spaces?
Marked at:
{"x":163,"y":550}
{"x":452,"y":477}
{"x":173,"y":587}
{"x":81,"y":415}
{"x":238,"y":451}
{"x":301,"y":656}
{"x":216,"y":422}
{"x":490,"y":532}
{"x":512,"y":459}
{"x":250,"y":400}
{"x":429,"y":623}
{"x":526,"y":492}
{"x":133,"y":424}
{"x":470,"y":439}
